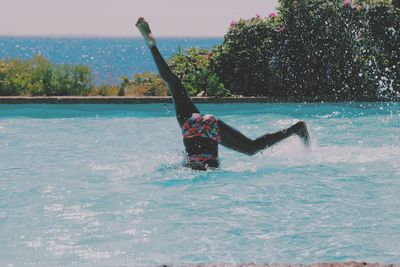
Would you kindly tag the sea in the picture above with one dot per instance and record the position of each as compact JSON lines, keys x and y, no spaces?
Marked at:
{"x":108,"y":58}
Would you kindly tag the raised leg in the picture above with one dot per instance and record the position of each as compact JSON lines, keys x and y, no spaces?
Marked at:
{"x":184,"y":105}
{"x":233,"y":139}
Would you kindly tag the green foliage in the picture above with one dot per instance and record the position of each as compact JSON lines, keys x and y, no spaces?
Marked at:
{"x":193,"y":68}
{"x":144,"y":84}
{"x":39,"y":77}
{"x":244,"y":61}
{"x":317,"y":49}
{"x":103,"y":90}
{"x":123,"y":85}
{"x":381,"y":55}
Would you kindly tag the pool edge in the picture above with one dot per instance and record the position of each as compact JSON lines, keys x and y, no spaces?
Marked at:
{"x":158,"y":99}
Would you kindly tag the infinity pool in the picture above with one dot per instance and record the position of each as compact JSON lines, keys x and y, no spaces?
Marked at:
{"x":103,"y":185}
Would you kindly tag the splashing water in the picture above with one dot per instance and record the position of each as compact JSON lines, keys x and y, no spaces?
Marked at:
{"x":103,"y":185}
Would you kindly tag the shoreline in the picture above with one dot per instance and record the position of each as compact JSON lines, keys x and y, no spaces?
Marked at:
{"x":167,"y":99}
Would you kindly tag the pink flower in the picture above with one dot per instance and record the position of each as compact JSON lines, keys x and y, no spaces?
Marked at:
{"x":258,"y":16}
{"x":347,"y":3}
{"x":273,"y":15}
{"x":232,"y":24}
{"x":357,"y":7}
{"x":208,"y":55}
{"x":281,"y":29}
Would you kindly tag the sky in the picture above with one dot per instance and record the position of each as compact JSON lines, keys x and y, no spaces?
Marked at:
{"x":174,"y":18}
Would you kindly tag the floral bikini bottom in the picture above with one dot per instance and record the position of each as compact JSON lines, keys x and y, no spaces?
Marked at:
{"x":201,"y":126}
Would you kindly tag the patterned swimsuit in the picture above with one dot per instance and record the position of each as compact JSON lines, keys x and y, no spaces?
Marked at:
{"x":201,"y":126}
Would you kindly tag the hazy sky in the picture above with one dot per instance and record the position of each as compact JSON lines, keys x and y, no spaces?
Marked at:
{"x":117,"y":17}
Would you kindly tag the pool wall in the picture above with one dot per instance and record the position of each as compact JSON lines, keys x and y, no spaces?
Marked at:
{"x":158,"y":99}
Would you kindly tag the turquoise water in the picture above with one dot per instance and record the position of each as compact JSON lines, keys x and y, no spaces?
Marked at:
{"x":103,"y":185}
{"x":108,"y":58}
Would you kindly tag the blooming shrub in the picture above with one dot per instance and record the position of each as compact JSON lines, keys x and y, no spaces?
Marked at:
{"x":244,"y":61}
{"x":316,"y":56}
{"x":335,"y":49}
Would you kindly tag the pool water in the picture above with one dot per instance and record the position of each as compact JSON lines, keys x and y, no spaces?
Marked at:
{"x":104,"y":185}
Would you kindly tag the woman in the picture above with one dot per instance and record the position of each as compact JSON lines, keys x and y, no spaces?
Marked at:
{"x":202,"y":133}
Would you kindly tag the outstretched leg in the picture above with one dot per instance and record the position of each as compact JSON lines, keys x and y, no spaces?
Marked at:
{"x":184,"y":105}
{"x":233,"y":139}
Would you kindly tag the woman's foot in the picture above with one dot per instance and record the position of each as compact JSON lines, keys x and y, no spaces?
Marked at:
{"x":144,"y":29}
{"x":300,"y":129}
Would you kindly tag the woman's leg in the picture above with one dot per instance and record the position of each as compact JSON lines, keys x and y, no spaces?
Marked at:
{"x":184,"y":105}
{"x":233,"y":139}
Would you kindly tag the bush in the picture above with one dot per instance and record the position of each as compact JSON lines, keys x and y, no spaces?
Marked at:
{"x":144,"y":84}
{"x":316,"y":49}
{"x":193,"y":68}
{"x":19,"y":78}
{"x":381,"y":55}
{"x":243,"y":62}
{"x":104,"y":90}
{"x":319,"y":50}
{"x":39,"y":77}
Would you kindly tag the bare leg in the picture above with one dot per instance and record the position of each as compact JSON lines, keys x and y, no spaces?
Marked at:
{"x":233,"y":139}
{"x":230,"y":137}
{"x":184,"y":105}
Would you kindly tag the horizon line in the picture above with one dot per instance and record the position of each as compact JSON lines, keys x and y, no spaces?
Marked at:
{"x":106,"y":36}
